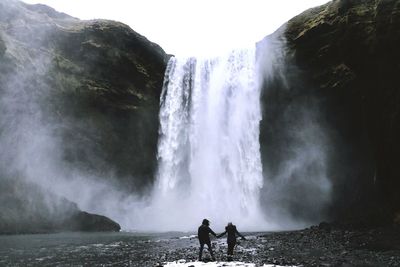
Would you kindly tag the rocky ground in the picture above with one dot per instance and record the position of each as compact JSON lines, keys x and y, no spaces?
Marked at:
{"x":323,"y":245}
{"x":317,"y":246}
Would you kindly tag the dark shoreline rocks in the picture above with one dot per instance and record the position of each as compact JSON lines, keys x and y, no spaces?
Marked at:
{"x":314,"y":246}
{"x":323,"y":245}
{"x":104,"y":82}
{"x":28,"y":209}
{"x":87,"y":222}
{"x":81,"y":221}
{"x":78,"y":221}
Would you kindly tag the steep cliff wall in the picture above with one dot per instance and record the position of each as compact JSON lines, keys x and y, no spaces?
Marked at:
{"x":342,"y":59}
{"x":78,"y":98}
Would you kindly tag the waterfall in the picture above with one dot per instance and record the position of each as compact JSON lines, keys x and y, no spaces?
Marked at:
{"x":209,"y":152}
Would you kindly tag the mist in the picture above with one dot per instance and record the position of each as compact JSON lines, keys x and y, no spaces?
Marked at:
{"x":295,"y":141}
{"x":37,"y":162}
{"x":240,"y":151}
{"x":294,"y":190}
{"x":208,"y":155}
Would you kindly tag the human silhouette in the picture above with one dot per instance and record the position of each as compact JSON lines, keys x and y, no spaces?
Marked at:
{"x":204,"y":238}
{"x":231,"y":230}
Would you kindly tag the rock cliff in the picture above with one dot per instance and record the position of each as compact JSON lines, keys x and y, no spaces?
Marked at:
{"x":92,"y":89}
{"x":342,"y":59}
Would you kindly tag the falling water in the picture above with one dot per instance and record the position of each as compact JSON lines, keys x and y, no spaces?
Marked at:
{"x":209,"y":152}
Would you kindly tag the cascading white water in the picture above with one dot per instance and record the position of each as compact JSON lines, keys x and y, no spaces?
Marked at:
{"x":209,"y":152}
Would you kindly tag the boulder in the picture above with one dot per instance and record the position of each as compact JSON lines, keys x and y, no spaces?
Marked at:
{"x":28,"y":209}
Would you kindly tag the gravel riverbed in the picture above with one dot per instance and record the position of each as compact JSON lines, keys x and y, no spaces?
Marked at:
{"x":316,"y":246}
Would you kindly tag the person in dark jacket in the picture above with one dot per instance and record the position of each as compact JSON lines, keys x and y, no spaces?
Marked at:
{"x":231,"y":230}
{"x":204,"y":238}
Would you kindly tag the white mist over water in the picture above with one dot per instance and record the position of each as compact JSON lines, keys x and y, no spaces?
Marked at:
{"x":209,"y":151}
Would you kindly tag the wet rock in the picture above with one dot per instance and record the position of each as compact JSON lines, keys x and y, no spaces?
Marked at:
{"x":100,"y":81}
{"x":2,"y":47}
{"x":324,"y":226}
{"x":341,"y":59}
{"x":26,"y":208}
{"x":87,"y":222}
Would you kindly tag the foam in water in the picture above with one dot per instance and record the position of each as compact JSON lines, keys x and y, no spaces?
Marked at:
{"x":183,"y":263}
{"x":209,"y":152}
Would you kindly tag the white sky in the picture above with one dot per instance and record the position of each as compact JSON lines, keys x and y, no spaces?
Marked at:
{"x":191,"y":27}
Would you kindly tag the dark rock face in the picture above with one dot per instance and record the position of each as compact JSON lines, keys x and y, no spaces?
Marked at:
{"x":83,"y":221}
{"x":27,"y":208}
{"x":110,"y":78}
{"x":293,"y":137}
{"x":2,"y":48}
{"x":344,"y":58}
{"x":94,"y":86}
{"x":103,"y":81}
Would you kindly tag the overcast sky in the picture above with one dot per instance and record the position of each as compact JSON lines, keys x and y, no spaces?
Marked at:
{"x":191,"y":27}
